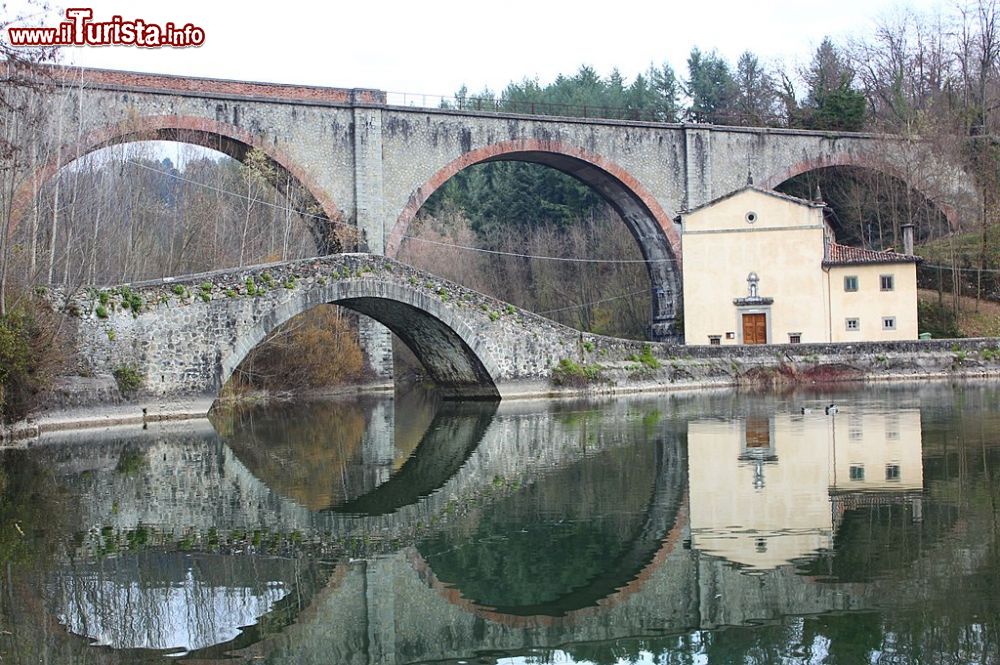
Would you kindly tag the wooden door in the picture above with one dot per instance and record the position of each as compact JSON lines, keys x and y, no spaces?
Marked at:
{"x":758,"y":432}
{"x":755,"y":329}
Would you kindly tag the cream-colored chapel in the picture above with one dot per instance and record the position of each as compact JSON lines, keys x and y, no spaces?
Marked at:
{"x":761,"y":267}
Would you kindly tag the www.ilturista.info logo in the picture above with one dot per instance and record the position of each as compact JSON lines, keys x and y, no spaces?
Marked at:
{"x":82,"y":30}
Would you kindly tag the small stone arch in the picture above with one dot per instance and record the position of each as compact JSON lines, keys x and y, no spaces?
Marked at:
{"x":458,"y":359}
{"x":649,"y":223}
{"x":453,"y":435}
{"x":320,"y":210}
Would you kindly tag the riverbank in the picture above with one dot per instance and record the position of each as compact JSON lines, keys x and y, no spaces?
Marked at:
{"x":115,"y":410}
{"x":660,"y":368}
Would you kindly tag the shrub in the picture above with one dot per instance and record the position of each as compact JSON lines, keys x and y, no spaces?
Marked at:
{"x":937,"y":319}
{"x":32,"y":351}
{"x":101,"y":311}
{"x":131,"y":300}
{"x":570,"y":373}
{"x":317,"y":349}
{"x":177,"y":289}
{"x":129,"y":379}
{"x":646,"y":358}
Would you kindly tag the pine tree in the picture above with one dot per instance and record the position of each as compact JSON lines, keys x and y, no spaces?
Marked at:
{"x":832,"y":101}
{"x":711,"y":87}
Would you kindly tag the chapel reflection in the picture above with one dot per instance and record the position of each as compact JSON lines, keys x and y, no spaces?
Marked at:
{"x":769,"y":488}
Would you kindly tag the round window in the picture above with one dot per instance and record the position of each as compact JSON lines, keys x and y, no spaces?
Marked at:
{"x":751,"y":217}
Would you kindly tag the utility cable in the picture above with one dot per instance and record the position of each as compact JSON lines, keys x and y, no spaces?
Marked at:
{"x":593,"y":302}
{"x":539,"y":257}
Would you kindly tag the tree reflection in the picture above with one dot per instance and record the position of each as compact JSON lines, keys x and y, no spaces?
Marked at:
{"x":35,"y":510}
{"x":306,"y":452}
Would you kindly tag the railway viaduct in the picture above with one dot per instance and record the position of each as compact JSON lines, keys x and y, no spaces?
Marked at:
{"x":357,"y":159}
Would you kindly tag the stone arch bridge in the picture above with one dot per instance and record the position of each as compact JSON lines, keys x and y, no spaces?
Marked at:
{"x":362,"y":161}
{"x":186,"y":336}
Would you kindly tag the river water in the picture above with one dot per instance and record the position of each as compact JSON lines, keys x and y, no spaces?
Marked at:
{"x":710,"y":527}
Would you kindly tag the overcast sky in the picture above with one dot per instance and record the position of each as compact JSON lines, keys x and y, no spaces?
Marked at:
{"x":434,"y":46}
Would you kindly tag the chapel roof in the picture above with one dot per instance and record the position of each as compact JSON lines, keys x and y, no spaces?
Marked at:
{"x":843,"y":255}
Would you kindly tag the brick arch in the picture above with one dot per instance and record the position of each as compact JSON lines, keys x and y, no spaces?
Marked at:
{"x":649,"y":223}
{"x":861,"y":162}
{"x":530,"y":150}
{"x":226,"y":138}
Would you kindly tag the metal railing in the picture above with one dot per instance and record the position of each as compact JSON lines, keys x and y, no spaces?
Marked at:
{"x":530,"y":107}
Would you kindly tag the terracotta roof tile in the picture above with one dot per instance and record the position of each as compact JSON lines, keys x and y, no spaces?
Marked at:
{"x":842,"y":255}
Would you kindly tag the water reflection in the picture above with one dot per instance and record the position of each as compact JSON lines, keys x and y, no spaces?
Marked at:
{"x":167,"y":601}
{"x":553,"y":547}
{"x":613,"y":531}
{"x":761,"y":484}
{"x":323,"y":454}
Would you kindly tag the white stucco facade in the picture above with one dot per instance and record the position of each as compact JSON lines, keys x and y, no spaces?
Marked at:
{"x":761,"y":268}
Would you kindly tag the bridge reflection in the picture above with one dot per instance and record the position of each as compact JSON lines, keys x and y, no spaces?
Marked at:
{"x":177,"y":603}
{"x":531,"y":525}
{"x":552,"y":548}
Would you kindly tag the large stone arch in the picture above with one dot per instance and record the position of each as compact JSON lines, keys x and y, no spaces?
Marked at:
{"x":310,"y":200}
{"x":950,"y":209}
{"x":458,"y":359}
{"x":649,"y":223}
